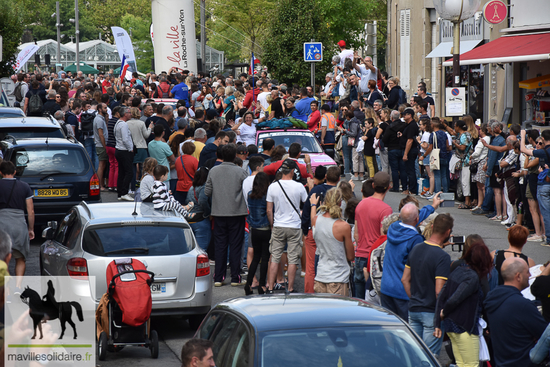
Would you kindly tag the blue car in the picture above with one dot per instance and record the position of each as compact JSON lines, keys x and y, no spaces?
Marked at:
{"x":58,"y":170}
{"x":310,"y":330}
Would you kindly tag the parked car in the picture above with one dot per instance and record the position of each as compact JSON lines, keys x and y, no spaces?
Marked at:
{"x":307,"y":140}
{"x":11,"y":112}
{"x":310,"y":330}
{"x":30,"y":127}
{"x":59,"y":172}
{"x":90,"y":236}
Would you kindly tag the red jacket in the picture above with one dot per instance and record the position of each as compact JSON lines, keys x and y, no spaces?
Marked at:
{"x":248,"y":98}
{"x":272,"y":168}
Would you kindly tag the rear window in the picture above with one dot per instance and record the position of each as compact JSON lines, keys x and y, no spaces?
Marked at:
{"x":49,"y":160}
{"x":138,"y":240}
{"x":31,"y":132}
{"x":304,"y":138}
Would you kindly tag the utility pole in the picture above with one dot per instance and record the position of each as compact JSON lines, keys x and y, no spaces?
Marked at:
{"x":77,"y":36}
{"x":203,"y":36}
{"x":58,"y":26}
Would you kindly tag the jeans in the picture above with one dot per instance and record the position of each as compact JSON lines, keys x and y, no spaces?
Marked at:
{"x":423,"y":325}
{"x":488,"y":204}
{"x":441,"y":176}
{"x":540,"y":350}
{"x":379,"y":163}
{"x":260,"y":243}
{"x":203,"y":232}
{"x":89,"y":144}
{"x":395,"y":157}
{"x":246,"y":244}
{"x":400,"y":307}
{"x":124,"y":159}
{"x":410,"y":167}
{"x":384,"y":160}
{"x":359,"y":277}
{"x":347,"y":156}
{"x":543,"y":196}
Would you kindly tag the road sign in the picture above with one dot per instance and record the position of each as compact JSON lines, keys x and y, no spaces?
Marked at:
{"x":455,"y":101}
{"x":313,"y":51}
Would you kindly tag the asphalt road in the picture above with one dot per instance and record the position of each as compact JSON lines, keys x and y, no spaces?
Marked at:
{"x":174,"y":332}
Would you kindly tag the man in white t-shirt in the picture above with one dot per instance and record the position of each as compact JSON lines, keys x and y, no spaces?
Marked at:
{"x":285,"y":196}
{"x":344,"y":53}
{"x":262,"y":97}
{"x":367,"y":69}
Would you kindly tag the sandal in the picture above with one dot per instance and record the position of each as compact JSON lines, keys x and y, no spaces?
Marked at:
{"x":475,"y":208}
{"x":464,"y":206}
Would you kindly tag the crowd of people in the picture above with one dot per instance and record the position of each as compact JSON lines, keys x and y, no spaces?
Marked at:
{"x":256,"y":207}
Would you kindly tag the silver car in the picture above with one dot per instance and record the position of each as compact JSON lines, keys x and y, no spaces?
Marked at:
{"x":90,"y":236}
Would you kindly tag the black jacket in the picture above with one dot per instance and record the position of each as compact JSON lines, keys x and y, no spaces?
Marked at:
{"x":390,"y":139}
{"x":51,"y":107}
{"x":393,"y":98}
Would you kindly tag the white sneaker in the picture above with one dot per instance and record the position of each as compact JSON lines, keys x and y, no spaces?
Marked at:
{"x":302,"y":274}
{"x":127,"y":197}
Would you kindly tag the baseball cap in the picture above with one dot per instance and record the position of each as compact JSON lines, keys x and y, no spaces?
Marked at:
{"x":382,"y":179}
{"x":241,"y":149}
{"x":408,"y":111}
{"x":289,"y":164}
{"x":342,"y":43}
{"x":203,"y":80}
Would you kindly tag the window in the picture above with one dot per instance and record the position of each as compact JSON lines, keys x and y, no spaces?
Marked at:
{"x":68,"y":230}
{"x":306,"y":139}
{"x":405,"y":49}
{"x":208,"y":325}
{"x":239,"y":351}
{"x":222,"y":339}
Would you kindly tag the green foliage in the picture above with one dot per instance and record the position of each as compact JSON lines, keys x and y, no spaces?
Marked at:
{"x":11,"y":29}
{"x":141,"y":40}
{"x":296,"y":22}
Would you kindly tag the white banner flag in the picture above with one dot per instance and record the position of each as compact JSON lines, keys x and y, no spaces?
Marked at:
{"x":125,"y":47}
{"x":174,"y":27}
{"x":24,"y":56}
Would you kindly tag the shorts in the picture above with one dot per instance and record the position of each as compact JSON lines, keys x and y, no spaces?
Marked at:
{"x":16,"y":254}
{"x":280,"y":236}
{"x":332,"y":288}
{"x":101,"y":154}
{"x":140,"y":156}
{"x":493,"y":181}
{"x":426,"y":161}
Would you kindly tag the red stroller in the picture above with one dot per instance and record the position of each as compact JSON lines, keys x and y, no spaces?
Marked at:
{"x":124,"y":311}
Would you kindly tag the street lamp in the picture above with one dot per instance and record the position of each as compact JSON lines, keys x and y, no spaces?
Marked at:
{"x":77,"y":32}
{"x":456,"y":11}
{"x":58,"y":25}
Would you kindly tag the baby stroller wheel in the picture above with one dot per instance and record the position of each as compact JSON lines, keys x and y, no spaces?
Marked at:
{"x":102,"y":346}
{"x":154,"y":344}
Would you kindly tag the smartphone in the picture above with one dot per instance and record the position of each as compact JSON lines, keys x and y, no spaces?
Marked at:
{"x":448,"y":199}
{"x":457,"y":243}
{"x":457,"y":239}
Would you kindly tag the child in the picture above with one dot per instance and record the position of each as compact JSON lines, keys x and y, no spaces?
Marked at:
{"x":147,"y":180}
{"x":162,"y":198}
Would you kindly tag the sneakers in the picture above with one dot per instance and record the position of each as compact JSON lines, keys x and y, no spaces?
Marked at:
{"x":303,"y":274}
{"x":428,"y":195}
{"x":126,"y":197}
{"x":534,"y":238}
{"x":218,"y":284}
{"x":509,"y":225}
{"x":240,"y":282}
{"x":279,"y":287}
{"x":544,"y":243}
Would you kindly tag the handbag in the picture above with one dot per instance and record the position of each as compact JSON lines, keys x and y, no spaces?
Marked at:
{"x":474,"y":168}
{"x":434,"y":155}
{"x":351,"y":141}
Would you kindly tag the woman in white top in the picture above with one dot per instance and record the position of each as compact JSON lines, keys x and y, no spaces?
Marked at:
{"x":147,"y":180}
{"x":425,"y":150}
{"x":246,"y":129}
{"x":479,"y":158}
{"x":334,"y":245}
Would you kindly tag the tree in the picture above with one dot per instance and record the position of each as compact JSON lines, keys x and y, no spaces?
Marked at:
{"x":296,"y":22}
{"x":11,"y":29}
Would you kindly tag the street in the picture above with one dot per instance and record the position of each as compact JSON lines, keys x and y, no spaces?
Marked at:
{"x":174,"y":332}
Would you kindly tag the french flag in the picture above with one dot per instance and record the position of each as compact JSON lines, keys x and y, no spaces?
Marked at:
{"x":124,"y":72}
{"x":253,"y":61}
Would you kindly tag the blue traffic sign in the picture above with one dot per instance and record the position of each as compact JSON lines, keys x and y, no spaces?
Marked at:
{"x":313,"y":51}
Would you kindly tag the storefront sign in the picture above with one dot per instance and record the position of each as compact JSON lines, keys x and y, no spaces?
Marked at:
{"x":471,"y":29}
{"x":495,"y":12}
{"x":455,"y":101}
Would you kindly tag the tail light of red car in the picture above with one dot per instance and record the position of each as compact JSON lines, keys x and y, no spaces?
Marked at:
{"x":77,"y":267}
{"x":203,"y":265}
{"x":94,"y":185}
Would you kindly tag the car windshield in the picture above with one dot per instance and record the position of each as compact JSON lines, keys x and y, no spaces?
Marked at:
{"x":347,"y":347}
{"x":8,"y":114}
{"x":31,"y":132}
{"x":305,"y":138}
{"x":47,"y":160}
{"x":142,"y":240}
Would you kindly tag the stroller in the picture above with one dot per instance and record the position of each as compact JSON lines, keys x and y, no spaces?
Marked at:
{"x":124,"y":311}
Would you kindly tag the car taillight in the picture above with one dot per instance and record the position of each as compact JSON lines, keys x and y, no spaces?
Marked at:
{"x":77,"y":267}
{"x":203,"y":265}
{"x":94,"y":185}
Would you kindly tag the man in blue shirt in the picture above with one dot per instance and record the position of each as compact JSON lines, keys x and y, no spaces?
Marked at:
{"x":303,"y":106}
{"x":180,"y":91}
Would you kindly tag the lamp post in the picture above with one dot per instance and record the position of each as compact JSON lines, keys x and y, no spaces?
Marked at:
{"x":58,"y":25}
{"x":77,"y":31}
{"x":456,"y":11}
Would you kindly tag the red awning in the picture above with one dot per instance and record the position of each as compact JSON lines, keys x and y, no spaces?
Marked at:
{"x":506,"y":49}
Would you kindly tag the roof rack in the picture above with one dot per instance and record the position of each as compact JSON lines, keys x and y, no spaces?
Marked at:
{"x":87,"y":207}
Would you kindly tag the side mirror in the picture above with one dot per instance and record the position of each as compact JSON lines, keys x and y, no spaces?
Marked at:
{"x":52,"y":224}
{"x":48,"y":233}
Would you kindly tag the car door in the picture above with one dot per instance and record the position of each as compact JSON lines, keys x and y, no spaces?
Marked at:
{"x":241,"y":350}
{"x":222,"y":339}
{"x":60,"y":249}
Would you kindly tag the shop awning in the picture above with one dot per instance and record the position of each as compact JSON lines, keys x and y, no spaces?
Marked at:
{"x":519,"y":48}
{"x":540,"y":82}
{"x":444,"y":48}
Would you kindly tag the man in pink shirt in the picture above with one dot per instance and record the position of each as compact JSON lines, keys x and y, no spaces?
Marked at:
{"x":368,"y":219}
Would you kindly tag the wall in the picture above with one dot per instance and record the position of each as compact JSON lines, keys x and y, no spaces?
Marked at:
{"x":529,"y":13}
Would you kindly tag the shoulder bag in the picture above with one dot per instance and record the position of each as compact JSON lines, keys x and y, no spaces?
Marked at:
{"x":434,"y":155}
{"x":290,"y":201}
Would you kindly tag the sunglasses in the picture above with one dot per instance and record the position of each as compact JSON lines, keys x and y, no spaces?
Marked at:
{"x":539,"y":143}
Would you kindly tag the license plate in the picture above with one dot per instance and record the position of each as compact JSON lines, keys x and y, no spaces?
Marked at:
{"x":51,"y":193}
{"x":158,"y":288}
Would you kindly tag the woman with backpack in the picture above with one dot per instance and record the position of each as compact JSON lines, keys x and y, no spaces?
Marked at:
{"x":186,"y":166}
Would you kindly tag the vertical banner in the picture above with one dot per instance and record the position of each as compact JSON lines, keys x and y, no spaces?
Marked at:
{"x":24,"y":56}
{"x":174,"y":30}
{"x":125,"y":47}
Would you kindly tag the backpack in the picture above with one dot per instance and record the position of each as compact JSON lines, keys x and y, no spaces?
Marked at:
{"x":376,"y":265}
{"x":87,"y":122}
{"x":35,"y":104}
{"x":163,"y":93}
{"x":402,"y":96}
{"x":17,"y":92}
